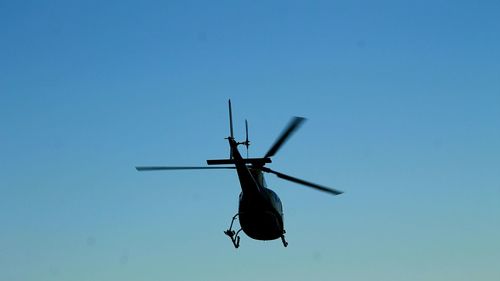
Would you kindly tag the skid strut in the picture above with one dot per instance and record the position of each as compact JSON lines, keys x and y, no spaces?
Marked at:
{"x":235,"y":238}
{"x":284,"y":241}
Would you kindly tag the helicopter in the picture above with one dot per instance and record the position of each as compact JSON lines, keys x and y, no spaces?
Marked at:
{"x":260,"y":211}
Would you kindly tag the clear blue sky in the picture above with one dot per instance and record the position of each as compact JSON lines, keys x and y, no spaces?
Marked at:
{"x":403,"y":102}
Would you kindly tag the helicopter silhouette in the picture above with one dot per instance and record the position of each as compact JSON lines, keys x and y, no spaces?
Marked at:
{"x":260,"y":210}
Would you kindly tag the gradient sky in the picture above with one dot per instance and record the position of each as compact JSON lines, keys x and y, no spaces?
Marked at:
{"x":403,"y":107}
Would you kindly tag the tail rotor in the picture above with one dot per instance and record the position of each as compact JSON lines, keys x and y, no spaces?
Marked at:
{"x":247,"y":142}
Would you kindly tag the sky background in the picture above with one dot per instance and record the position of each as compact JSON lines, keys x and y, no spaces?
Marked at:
{"x":403,"y":107}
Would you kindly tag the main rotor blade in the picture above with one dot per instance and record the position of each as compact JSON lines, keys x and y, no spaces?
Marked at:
{"x":303,"y":182}
{"x":163,"y":168}
{"x":292,"y":127}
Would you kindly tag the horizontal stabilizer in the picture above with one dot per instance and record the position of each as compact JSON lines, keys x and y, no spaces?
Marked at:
{"x":253,"y":161}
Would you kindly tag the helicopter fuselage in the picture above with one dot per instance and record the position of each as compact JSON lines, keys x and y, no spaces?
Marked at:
{"x":261,"y":218}
{"x":260,"y":209}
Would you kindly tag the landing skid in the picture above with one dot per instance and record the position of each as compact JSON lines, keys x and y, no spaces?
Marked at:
{"x":235,"y":238}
